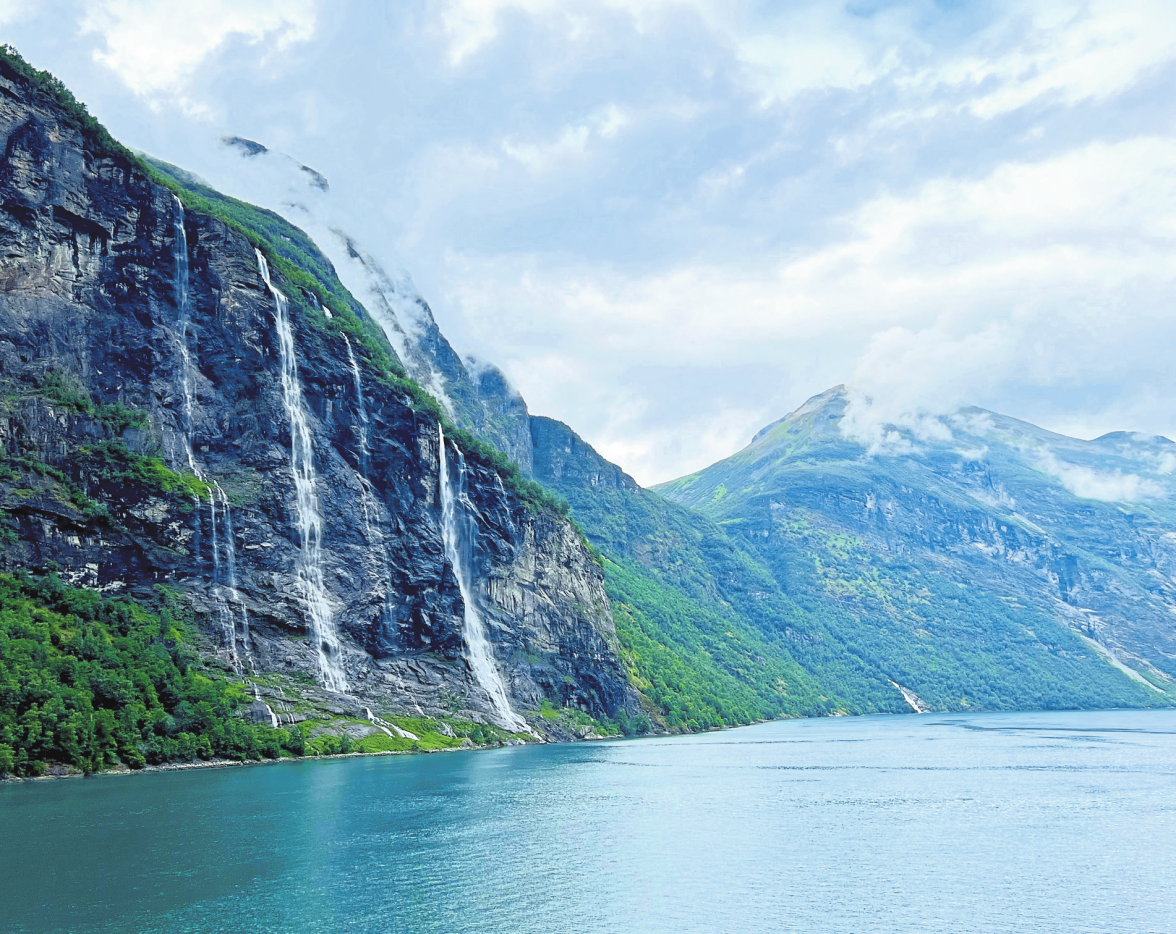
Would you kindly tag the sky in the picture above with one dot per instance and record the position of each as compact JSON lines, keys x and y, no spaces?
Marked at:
{"x":672,"y":221}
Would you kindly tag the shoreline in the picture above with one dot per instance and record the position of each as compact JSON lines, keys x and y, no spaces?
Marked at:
{"x":243,"y":763}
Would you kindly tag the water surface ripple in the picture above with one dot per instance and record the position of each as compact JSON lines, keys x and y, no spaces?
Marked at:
{"x":1050,"y":822}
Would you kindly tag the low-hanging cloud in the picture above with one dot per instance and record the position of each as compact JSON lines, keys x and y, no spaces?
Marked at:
{"x":1110,"y":486}
{"x":155,"y":47}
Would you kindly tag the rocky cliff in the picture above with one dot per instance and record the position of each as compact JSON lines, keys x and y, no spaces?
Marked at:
{"x":475,"y":394}
{"x":158,"y":429}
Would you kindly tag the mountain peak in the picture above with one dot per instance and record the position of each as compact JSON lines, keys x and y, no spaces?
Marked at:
{"x":1132,"y":437}
{"x":828,"y":406}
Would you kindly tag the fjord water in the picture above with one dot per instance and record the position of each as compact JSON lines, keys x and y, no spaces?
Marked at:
{"x":1047,"y":822}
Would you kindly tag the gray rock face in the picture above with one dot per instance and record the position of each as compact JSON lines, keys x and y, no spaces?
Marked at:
{"x":476,"y":394}
{"x":564,"y":461}
{"x":91,"y":330}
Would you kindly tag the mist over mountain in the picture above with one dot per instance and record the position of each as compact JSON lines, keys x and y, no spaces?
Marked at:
{"x":1062,"y":535}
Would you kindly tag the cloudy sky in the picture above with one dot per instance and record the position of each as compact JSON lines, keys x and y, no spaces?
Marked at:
{"x":671,"y":221}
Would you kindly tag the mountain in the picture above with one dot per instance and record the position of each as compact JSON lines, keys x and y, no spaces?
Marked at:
{"x":215,"y":465}
{"x":705,"y":634}
{"x":475,"y":394}
{"x":253,"y":504}
{"x":976,"y":560}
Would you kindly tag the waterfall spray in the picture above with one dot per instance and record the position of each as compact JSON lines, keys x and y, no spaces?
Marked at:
{"x":457,"y":532}
{"x":310,"y":523}
{"x":231,"y":570}
{"x":361,"y":429}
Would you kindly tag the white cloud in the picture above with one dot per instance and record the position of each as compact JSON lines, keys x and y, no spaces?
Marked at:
{"x":795,"y":48}
{"x":471,"y":24}
{"x":1073,"y":52}
{"x":948,"y":296}
{"x":155,"y":47}
{"x":1033,"y":49}
{"x":1109,"y":486}
{"x":572,"y":142}
{"x":14,"y":10}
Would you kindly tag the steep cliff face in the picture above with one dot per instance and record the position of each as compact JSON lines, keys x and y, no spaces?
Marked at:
{"x":151,"y":423}
{"x":564,"y":461}
{"x":476,"y":394}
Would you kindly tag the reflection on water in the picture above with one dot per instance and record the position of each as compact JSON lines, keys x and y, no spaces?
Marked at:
{"x":1053,"y":822}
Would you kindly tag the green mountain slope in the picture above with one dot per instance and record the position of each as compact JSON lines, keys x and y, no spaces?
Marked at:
{"x":707,"y":628}
{"x":966,"y":569}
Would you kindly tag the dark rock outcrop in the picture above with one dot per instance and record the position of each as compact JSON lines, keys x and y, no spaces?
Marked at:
{"x":96,"y":481}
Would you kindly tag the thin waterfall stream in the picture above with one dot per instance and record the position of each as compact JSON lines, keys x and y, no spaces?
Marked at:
{"x":227,"y":614}
{"x":372,"y":530}
{"x":457,"y":533}
{"x":310,"y":522}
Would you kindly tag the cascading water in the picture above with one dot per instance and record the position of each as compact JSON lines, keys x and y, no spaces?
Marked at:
{"x":188,"y":389}
{"x":372,"y":531}
{"x":457,"y":533}
{"x":241,"y":615}
{"x":310,"y":523}
{"x":390,"y":728}
{"x":361,"y":429}
{"x":274,"y":722}
{"x":223,"y":611}
{"x":184,"y":320}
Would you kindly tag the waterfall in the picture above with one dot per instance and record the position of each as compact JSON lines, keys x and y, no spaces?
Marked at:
{"x":227,"y":620}
{"x":389,"y":728}
{"x":183,"y":308}
{"x":310,"y":523}
{"x":367,"y":501}
{"x":231,"y":572}
{"x":362,"y":428}
{"x":457,"y":531}
{"x":270,"y":710}
{"x":181,"y":285}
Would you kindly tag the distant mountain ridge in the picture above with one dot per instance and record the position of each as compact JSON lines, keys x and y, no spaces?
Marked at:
{"x":1078,"y":534}
{"x":284,"y":510}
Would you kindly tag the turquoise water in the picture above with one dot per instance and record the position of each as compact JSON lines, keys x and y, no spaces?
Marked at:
{"x":1052,"y":822}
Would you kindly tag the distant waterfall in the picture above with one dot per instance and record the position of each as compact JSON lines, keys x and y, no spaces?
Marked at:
{"x":241,"y":615}
{"x":457,"y":531}
{"x":184,"y":312}
{"x":372,"y":530}
{"x":310,"y":523}
{"x":361,"y":429}
{"x":227,"y":615}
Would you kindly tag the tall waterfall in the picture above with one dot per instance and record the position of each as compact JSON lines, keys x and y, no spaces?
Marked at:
{"x":241,"y":615}
{"x":361,"y":429}
{"x":184,"y":310}
{"x":227,"y":614}
{"x":310,"y":522}
{"x":457,"y":530}
{"x":372,"y":530}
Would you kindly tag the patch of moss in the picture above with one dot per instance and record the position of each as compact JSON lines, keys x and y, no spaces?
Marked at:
{"x":382,"y":742}
{"x":115,"y":461}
